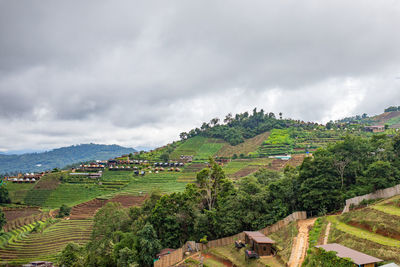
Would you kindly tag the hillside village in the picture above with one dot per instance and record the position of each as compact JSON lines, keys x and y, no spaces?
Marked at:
{"x":253,"y":191}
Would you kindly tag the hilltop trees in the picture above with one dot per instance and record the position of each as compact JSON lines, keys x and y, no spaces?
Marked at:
{"x":239,"y":127}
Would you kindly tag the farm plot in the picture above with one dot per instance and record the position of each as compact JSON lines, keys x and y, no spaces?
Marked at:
{"x":209,"y":149}
{"x":188,"y":148}
{"x":249,"y":145}
{"x":18,"y":192}
{"x":166,"y":182}
{"x":46,"y":245}
{"x":72,"y":194}
{"x":235,"y":165}
{"x":88,"y":209}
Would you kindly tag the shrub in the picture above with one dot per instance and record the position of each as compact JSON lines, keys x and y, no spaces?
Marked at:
{"x":64,"y":211}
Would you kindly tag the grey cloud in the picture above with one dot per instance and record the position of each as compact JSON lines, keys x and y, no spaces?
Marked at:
{"x":156,"y":65}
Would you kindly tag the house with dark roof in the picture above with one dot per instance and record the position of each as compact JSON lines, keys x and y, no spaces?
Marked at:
{"x":358,"y":258}
{"x":259,"y":243}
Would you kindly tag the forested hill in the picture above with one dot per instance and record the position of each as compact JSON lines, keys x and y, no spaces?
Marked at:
{"x":235,"y":129}
{"x":60,"y":157}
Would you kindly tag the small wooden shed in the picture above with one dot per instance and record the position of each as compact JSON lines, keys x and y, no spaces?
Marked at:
{"x":259,"y":243}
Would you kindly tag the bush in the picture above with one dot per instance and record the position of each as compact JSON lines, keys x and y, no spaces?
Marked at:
{"x":64,"y":211}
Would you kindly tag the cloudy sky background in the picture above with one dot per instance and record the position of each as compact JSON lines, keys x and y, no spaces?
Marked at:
{"x":137,"y":73}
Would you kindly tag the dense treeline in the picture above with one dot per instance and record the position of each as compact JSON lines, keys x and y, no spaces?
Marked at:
{"x":235,"y":129}
{"x":215,"y":207}
{"x":392,"y":108}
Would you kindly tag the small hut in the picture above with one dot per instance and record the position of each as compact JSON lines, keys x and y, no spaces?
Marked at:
{"x":259,"y":243}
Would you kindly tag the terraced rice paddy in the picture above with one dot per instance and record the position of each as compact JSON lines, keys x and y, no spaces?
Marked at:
{"x":374,"y":230}
{"x":46,"y":245}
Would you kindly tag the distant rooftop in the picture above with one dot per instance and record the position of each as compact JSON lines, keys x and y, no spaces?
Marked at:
{"x":345,"y":252}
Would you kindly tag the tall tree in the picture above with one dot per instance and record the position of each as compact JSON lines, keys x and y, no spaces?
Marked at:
{"x":209,"y":181}
{"x":147,"y":245}
{"x":3,"y":220}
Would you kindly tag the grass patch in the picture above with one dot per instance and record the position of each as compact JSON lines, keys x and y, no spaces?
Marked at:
{"x":284,"y":240}
{"x":317,"y":232}
{"x":237,"y":257}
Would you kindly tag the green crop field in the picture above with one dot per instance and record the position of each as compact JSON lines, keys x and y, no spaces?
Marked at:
{"x":188,"y":147}
{"x":166,"y":182}
{"x":207,"y":150}
{"x":18,"y":191}
{"x":46,"y":244}
{"x":292,"y":141}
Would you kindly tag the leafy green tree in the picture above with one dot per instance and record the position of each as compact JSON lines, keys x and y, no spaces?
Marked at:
{"x":3,"y":220}
{"x":108,"y":220}
{"x":209,"y":181}
{"x":126,"y":258}
{"x":164,"y":157}
{"x":64,"y":211}
{"x":380,"y":175}
{"x":71,"y":256}
{"x":147,"y":245}
{"x":4,"y":196}
{"x":266,"y":176}
{"x":319,"y":257}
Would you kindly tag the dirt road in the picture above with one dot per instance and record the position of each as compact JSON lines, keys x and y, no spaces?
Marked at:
{"x":300,"y":243}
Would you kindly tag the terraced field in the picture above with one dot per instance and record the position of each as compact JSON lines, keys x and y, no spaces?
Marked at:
{"x":46,"y":245}
{"x":374,"y":230}
{"x":88,"y":209}
{"x":246,"y":147}
{"x":292,"y":141}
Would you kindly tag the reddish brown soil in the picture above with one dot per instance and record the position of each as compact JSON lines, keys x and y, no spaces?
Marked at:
{"x":382,"y":118}
{"x":47,"y":184}
{"x":15,"y":213}
{"x":88,"y":209}
{"x":195,"y":167}
{"x":278,"y":164}
{"x":378,"y":231}
{"x":244,"y":172}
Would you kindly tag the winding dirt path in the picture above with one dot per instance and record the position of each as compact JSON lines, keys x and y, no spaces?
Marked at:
{"x":300,"y":244}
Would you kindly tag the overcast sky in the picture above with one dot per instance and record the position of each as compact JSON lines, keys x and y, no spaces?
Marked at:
{"x":137,"y":73}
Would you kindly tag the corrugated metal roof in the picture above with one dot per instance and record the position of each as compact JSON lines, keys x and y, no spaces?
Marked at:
{"x":258,"y":237}
{"x":354,"y":255}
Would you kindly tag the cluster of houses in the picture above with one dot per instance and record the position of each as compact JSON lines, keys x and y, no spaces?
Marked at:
{"x":375,"y":128}
{"x":25,"y":178}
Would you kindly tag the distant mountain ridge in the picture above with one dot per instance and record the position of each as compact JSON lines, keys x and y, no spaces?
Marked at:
{"x":59,"y":158}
